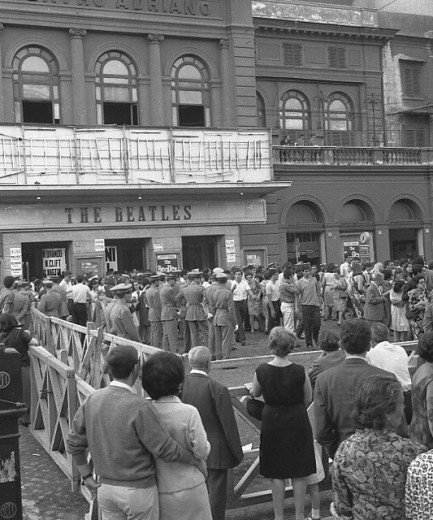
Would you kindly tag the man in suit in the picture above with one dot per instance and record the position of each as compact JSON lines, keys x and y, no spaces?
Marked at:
{"x":336,"y":387}
{"x":375,"y":301}
{"x":51,"y":301}
{"x":213,"y":402}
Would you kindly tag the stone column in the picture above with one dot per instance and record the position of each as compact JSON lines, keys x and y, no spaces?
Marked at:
{"x":2,"y":112}
{"x":79,"y":104}
{"x":227,"y":95}
{"x":155,"y":72}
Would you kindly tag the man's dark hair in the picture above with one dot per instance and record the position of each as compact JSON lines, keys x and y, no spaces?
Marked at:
{"x":8,"y":322}
{"x":162,"y":375}
{"x":8,"y":281}
{"x":355,"y":336}
{"x":425,"y":347}
{"x":80,"y":278}
{"x":329,"y":340}
{"x":121,"y":360}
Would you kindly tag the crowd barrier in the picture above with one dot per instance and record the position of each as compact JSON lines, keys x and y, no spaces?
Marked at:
{"x":69,"y":364}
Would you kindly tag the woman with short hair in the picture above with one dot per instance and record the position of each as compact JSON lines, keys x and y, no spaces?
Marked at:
{"x":182,"y":488}
{"x":369,"y":469}
{"x":286,"y":438}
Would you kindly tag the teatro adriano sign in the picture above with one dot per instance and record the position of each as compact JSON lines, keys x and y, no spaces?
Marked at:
{"x":125,"y":215}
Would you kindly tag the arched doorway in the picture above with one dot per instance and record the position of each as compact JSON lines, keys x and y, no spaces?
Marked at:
{"x":356,"y":230}
{"x":405,"y":230}
{"x":305,"y":233}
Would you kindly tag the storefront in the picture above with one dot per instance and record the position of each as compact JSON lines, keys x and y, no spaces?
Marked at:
{"x":199,"y":229}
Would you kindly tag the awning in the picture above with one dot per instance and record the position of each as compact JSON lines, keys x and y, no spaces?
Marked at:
{"x":422,"y":110}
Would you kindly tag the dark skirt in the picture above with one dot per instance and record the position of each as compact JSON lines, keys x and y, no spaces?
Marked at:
{"x":286,"y":443}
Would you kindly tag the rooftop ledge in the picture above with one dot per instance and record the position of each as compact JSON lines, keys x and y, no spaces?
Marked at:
{"x":314,"y":13}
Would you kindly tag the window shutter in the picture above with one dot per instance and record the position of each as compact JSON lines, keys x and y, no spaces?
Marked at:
{"x":292,"y":54}
{"x":410,"y":138}
{"x":419,"y":138}
{"x":416,"y":84}
{"x":411,"y":79}
{"x":337,"y":57}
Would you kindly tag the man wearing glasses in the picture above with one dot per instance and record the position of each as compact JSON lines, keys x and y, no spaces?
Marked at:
{"x":121,"y":317}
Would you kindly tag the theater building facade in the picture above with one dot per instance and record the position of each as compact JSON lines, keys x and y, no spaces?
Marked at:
{"x":129,"y":136}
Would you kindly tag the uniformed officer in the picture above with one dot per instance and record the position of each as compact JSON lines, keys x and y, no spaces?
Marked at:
{"x":154,"y":302}
{"x":121,"y":317}
{"x":169,"y":312}
{"x":225,"y":317}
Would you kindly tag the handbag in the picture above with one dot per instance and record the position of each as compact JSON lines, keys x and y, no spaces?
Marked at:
{"x":255,"y":408}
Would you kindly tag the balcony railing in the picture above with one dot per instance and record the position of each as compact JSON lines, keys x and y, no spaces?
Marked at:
{"x":60,"y":155}
{"x":295,"y":155}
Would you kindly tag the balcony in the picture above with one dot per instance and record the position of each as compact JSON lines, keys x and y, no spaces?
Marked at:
{"x":137,"y":156}
{"x":368,"y":156}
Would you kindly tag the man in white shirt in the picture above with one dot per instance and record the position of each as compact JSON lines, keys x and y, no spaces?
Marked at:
{"x":274,"y":303}
{"x":344,"y":271}
{"x":81,"y":296}
{"x":241,"y":290}
{"x":391,"y":358}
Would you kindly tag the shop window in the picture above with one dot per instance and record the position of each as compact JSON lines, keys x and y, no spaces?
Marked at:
{"x":337,"y":58}
{"x":261,"y":111}
{"x":411,"y":78}
{"x":36,"y":86}
{"x":116,"y":90}
{"x":292,"y":54}
{"x":190,"y":92}
{"x":295,"y":113}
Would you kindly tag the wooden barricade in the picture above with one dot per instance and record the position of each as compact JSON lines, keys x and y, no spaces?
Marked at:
{"x":70,"y":365}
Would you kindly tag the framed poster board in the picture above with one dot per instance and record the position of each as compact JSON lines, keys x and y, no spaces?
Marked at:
{"x":255,"y":257}
{"x":167,"y":262}
{"x":90,"y":266}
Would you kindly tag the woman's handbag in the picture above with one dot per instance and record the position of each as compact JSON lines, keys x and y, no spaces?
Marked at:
{"x":255,"y":408}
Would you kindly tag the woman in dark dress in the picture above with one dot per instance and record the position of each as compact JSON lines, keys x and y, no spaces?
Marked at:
{"x":286,"y":438}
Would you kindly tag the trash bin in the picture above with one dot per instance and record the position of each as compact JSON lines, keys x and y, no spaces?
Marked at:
{"x":11,"y":408}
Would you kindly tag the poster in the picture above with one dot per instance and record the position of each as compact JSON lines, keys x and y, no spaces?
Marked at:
{"x":54,"y":261}
{"x":16,"y":262}
{"x":351,"y":249}
{"x":111,"y":258}
{"x":167,"y":263}
{"x":89,"y":267}
{"x":99,"y":245}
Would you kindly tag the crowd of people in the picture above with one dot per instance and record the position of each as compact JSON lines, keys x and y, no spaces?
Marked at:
{"x":372,"y":414}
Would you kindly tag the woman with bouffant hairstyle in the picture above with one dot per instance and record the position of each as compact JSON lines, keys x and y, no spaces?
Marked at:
{"x":181,"y":488}
{"x":369,"y":470}
{"x":286,"y":438}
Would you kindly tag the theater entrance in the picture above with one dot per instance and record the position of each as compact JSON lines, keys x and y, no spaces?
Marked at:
{"x":125,"y":255}
{"x":199,"y":252}
{"x":42,"y":259}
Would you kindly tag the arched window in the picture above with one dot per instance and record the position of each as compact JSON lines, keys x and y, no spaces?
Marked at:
{"x":116,"y":90}
{"x":36,"y":86}
{"x":295,"y":111}
{"x":339,"y":119}
{"x":190,"y":92}
{"x":261,"y":111}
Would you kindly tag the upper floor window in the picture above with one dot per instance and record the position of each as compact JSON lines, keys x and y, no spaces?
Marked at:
{"x":337,"y":58}
{"x":261,"y":111}
{"x":190,"y":92}
{"x":294,"y":111}
{"x":116,"y":90}
{"x":414,"y":138}
{"x":338,"y":113}
{"x":292,"y":54}
{"x":411,"y":78}
{"x":35,"y":86}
